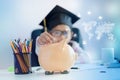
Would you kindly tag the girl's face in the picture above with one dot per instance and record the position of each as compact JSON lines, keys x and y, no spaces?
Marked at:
{"x":61,"y":32}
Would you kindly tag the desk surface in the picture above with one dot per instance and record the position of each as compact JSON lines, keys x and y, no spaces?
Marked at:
{"x":86,"y":72}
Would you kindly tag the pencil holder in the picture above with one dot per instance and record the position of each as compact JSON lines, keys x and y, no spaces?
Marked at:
{"x":22,"y":63}
{"x":22,"y":56}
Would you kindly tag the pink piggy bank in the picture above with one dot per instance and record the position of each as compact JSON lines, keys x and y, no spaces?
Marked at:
{"x":56,"y":57}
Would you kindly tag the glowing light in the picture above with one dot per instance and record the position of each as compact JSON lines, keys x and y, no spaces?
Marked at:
{"x":89,"y":12}
{"x":79,"y":15}
{"x":84,"y":42}
{"x":100,"y":17}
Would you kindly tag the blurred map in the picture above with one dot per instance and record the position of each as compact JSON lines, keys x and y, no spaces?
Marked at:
{"x":97,"y":30}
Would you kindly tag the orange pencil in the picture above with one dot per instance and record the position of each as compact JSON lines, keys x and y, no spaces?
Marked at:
{"x":12,"y":45}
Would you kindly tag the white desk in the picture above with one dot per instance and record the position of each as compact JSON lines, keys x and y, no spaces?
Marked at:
{"x":86,"y":72}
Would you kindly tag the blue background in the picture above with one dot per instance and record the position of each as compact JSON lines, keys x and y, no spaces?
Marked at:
{"x":19,"y":17}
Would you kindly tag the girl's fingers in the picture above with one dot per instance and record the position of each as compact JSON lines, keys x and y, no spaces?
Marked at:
{"x":50,"y":36}
{"x":45,"y":38}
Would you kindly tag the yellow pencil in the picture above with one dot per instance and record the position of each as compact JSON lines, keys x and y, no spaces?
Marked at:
{"x":23,"y":48}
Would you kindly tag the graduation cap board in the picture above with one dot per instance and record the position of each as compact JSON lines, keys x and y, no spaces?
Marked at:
{"x":58,"y":15}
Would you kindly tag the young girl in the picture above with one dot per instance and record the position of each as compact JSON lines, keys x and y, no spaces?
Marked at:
{"x":59,"y":23}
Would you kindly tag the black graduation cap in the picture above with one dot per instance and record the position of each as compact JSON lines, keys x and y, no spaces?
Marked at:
{"x":59,"y":15}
